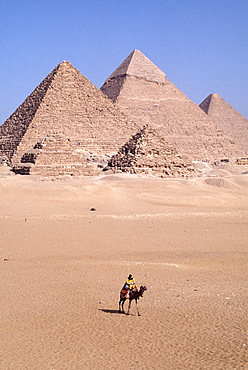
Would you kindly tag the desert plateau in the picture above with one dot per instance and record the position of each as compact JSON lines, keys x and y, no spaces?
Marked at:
{"x":68,"y":244}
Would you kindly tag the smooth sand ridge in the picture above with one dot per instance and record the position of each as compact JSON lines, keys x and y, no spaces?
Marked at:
{"x":63,"y":266}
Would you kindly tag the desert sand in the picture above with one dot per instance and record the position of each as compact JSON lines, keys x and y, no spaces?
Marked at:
{"x":63,"y":265}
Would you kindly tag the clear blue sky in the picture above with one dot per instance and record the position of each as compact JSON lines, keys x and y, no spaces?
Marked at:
{"x":201,"y":45}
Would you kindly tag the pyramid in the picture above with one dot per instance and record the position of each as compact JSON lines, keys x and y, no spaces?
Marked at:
{"x":147,"y":152}
{"x":137,"y":64}
{"x":68,"y":103}
{"x":142,"y":90}
{"x":227,"y":119}
{"x":54,"y":156}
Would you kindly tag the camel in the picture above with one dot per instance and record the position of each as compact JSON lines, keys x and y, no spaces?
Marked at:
{"x":126,"y":294}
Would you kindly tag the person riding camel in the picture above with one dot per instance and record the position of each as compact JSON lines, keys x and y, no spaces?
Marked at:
{"x":130,"y":284}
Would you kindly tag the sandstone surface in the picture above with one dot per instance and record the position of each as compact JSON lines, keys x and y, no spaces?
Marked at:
{"x":228,"y":119}
{"x":54,"y":156}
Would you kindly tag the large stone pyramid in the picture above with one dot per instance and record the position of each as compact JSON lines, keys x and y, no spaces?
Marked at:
{"x":142,"y":90}
{"x":148,"y":153}
{"x":227,"y":118}
{"x":68,"y":103}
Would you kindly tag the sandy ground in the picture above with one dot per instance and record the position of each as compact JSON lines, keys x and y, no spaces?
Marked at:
{"x":63,"y":265}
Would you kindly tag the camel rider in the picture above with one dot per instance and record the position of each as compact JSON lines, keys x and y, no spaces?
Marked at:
{"x":130,"y":283}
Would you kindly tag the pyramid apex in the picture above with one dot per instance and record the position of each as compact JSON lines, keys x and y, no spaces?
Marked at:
{"x":214,"y":95}
{"x":66,"y":67}
{"x":138,"y":65}
{"x":210,"y":100}
{"x":137,"y":51}
{"x":65,"y":63}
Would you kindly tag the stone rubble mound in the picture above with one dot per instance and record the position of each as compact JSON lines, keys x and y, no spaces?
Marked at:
{"x":148,"y":153}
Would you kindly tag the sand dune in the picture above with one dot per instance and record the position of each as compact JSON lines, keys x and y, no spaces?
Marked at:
{"x":62,"y":266}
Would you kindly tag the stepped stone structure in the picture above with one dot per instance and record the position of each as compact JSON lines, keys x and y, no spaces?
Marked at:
{"x":142,"y":90}
{"x":66,"y":102}
{"x":147,"y":152}
{"x":227,"y":118}
{"x":54,"y":156}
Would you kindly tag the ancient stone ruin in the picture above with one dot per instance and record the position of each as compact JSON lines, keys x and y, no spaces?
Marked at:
{"x":148,"y":153}
{"x":54,"y":156}
{"x":142,"y":90}
{"x":227,"y":118}
{"x":67,"y":126}
{"x":68,"y":103}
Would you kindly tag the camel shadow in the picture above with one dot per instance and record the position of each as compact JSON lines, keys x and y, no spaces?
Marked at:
{"x":106,"y":310}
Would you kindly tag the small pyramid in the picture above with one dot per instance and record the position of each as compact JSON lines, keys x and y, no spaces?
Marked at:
{"x":68,"y":103}
{"x":227,"y":119}
{"x":160,"y":104}
{"x":137,"y":64}
{"x":54,"y":156}
{"x":147,"y":152}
